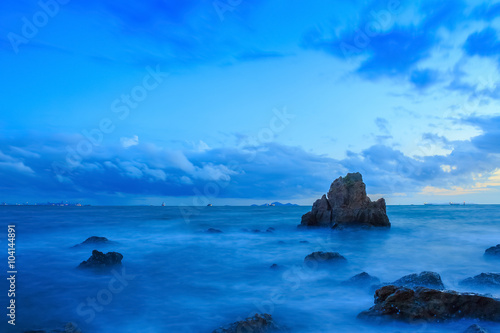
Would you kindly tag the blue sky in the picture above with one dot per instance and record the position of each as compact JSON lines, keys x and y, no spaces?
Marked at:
{"x":236,"y":102}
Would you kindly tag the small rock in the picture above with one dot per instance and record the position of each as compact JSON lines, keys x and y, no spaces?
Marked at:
{"x":257,"y":324}
{"x":270,"y":229}
{"x":483,"y":279}
{"x":493,"y":251}
{"x":94,"y":240}
{"x":68,"y":328}
{"x":424,"y":279}
{"x":304,"y":242}
{"x":213,"y":231}
{"x":475,"y":329}
{"x":430,"y":305}
{"x":330,"y":257}
{"x":361,"y":280}
{"x":256,"y":231}
{"x":101,"y":260}
{"x":274,"y":266}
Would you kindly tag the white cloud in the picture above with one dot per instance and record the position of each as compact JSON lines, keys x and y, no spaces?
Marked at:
{"x":129,"y":142}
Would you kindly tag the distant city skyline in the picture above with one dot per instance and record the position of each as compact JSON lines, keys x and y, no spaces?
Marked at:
{"x":190,"y":102}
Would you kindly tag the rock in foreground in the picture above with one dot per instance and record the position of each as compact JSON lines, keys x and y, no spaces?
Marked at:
{"x":329,"y":257}
{"x":101,"y":260}
{"x":257,"y":324}
{"x":483,"y":280}
{"x":347,"y":204}
{"x":430,"y":305}
{"x":424,"y":279}
{"x":493,"y":251}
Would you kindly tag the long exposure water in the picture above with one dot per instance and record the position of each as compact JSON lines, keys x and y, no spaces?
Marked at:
{"x":176,"y":277}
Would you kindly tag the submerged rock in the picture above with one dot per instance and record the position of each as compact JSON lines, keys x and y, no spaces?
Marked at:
{"x":347,"y":204}
{"x":68,"y":328}
{"x":274,"y":266}
{"x":94,"y":240}
{"x":101,"y":260}
{"x":424,"y":279}
{"x":493,"y":251}
{"x":270,"y":229}
{"x":483,"y":280}
{"x":361,"y":280}
{"x":213,"y":231}
{"x":257,"y":324}
{"x":330,"y":257}
{"x":430,"y":305}
{"x":475,"y":329}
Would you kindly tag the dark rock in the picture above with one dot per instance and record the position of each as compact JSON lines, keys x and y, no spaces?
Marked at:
{"x":493,"y":251}
{"x":68,"y":328}
{"x":483,"y":279}
{"x":257,"y":324}
{"x":304,"y":242}
{"x":347,"y":205}
{"x":361,"y":280}
{"x":274,"y":266}
{"x":94,"y":240}
{"x":214,"y":231}
{"x":256,"y":231}
{"x":475,"y":329}
{"x":329,"y":257}
{"x":101,"y":260}
{"x":424,"y":279}
{"x":270,"y":229}
{"x":430,"y":305}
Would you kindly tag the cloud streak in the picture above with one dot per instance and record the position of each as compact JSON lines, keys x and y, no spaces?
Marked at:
{"x":249,"y":172}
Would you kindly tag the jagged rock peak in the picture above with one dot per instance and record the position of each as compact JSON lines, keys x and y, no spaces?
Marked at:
{"x":346,"y":204}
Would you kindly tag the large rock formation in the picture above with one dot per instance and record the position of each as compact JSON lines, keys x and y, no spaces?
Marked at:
{"x":347,"y":204}
{"x":423,"y":304}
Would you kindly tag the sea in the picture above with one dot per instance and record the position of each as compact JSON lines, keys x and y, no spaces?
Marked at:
{"x":176,"y":277}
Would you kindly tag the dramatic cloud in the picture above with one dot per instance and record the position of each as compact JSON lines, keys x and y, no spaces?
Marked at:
{"x":251,"y":171}
{"x":386,"y":43}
